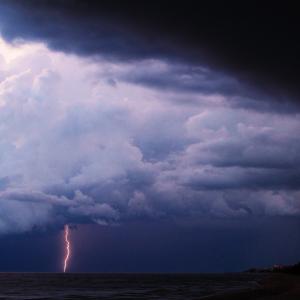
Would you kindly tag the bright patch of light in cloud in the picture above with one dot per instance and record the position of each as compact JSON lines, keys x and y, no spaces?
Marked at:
{"x":10,"y":52}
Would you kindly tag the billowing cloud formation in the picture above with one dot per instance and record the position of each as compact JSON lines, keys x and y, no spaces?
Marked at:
{"x":105,"y":142}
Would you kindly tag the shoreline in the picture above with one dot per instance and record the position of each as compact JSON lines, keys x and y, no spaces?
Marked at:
{"x":275,"y":286}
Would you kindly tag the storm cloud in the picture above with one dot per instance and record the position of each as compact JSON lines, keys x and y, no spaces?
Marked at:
{"x":105,"y":141}
{"x":258,"y":44}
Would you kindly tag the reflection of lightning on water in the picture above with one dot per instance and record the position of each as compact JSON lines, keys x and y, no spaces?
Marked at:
{"x":67,"y":245}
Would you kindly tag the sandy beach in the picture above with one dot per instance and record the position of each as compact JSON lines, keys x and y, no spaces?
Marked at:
{"x":274,"y":286}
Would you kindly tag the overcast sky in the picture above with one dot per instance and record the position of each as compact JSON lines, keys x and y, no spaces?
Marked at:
{"x":112,"y":119}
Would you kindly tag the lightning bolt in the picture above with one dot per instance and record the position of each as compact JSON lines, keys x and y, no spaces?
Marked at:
{"x":67,"y":247}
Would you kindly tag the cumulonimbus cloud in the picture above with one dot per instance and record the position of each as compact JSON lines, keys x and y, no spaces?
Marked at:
{"x":92,"y":141}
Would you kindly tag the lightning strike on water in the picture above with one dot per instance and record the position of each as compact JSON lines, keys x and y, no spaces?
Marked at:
{"x":67,"y":247}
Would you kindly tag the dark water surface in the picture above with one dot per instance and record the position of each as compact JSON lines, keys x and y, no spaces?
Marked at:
{"x":120,"y":286}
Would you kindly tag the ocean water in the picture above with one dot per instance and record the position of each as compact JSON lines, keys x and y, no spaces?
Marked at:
{"x":121,"y":286}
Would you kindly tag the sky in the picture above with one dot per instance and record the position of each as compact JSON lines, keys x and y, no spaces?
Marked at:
{"x":166,"y":136}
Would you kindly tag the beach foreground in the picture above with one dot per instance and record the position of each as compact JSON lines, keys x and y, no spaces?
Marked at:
{"x":272,"y":287}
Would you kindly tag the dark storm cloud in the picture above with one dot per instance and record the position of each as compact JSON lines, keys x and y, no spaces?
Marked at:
{"x":77,"y":27}
{"x":185,"y":78}
{"x":188,"y":81}
{"x":256,"y":43}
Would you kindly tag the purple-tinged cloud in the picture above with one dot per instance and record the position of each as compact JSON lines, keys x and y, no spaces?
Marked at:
{"x":92,"y":141}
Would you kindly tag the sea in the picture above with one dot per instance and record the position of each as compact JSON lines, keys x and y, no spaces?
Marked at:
{"x":127,"y":286}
